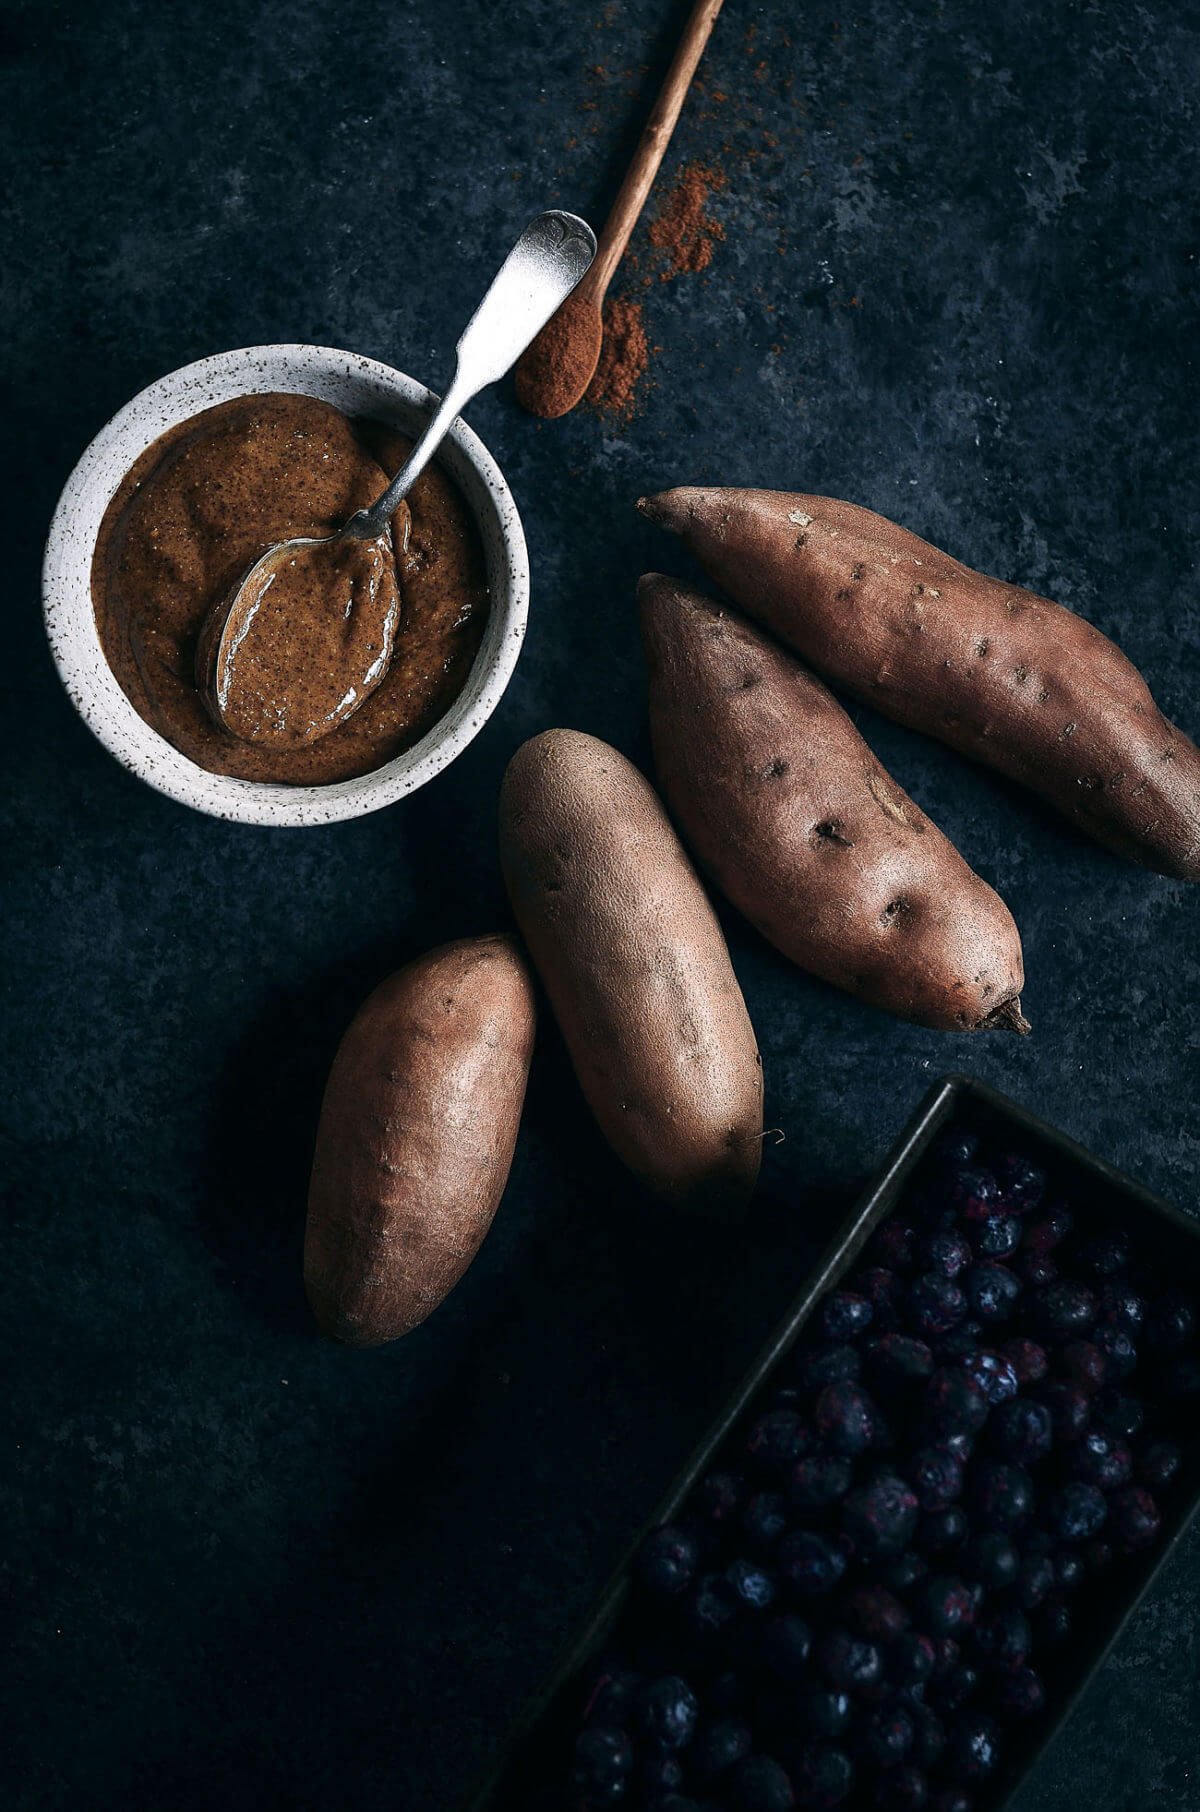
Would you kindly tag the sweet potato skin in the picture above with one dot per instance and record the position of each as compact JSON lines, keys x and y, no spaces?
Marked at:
{"x":636,"y":968}
{"x":1002,"y":675}
{"x":800,"y":826}
{"x":416,"y":1137}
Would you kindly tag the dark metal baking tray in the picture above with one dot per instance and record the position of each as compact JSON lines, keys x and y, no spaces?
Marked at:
{"x":527,"y":1773}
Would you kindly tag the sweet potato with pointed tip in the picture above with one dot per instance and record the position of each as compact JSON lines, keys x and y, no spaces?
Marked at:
{"x":796,"y":821}
{"x":416,"y":1137}
{"x":1009,"y":678}
{"x":636,"y":968}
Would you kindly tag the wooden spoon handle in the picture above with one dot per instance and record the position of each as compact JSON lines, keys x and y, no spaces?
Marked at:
{"x":631,"y":197}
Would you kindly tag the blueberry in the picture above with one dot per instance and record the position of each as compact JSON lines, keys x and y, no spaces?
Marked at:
{"x":809,"y":1563}
{"x":1002,"y":1494}
{"x":815,"y":1483}
{"x":993,"y":1291}
{"x":948,"y":1605}
{"x":903,"y":1789}
{"x":827,"y":1365}
{"x":1101,"y":1459}
{"x":878,"y":1519}
{"x":1027,"y":1359}
{"x":751,"y":1586}
{"x":764,"y":1520}
{"x":1036,"y":1579}
{"x":1181,"y":1380}
{"x":726,"y":1693}
{"x":1005,"y":1639}
{"x":1076,"y":1512}
{"x":824,"y":1779}
{"x":954,"y":1688}
{"x":953,"y":1403}
{"x":953,"y":1147}
{"x":1084,"y":1364}
{"x":959,"y":1344}
{"x":849,"y":1663}
{"x":1068,"y":1408}
{"x":1118,"y":1413}
{"x":710,"y":1606}
{"x":895,"y":1361}
{"x":885,"y":1293}
{"x":1171,"y":1323}
{"x":823,"y":1713}
{"x":891,"y":1247}
{"x":1023,"y":1431}
{"x":1120,"y":1353}
{"x":929,"y":1735}
{"x":777,"y":1440}
{"x":962,"y":1446}
{"x":936,"y":1477}
{"x":1135,"y":1518}
{"x":718,"y":1747}
{"x":906,"y":1571}
{"x":877,"y":1614}
{"x":994,"y":1373}
{"x":1036,"y":1270}
{"x":1064,"y":1309}
{"x":912,"y":1660}
{"x":941,"y":1531}
{"x":1158,"y":1463}
{"x":972,"y":1748}
{"x":602,"y":1764}
{"x":1119,"y":1305}
{"x":934,"y":1303}
{"x":785,"y":1646}
{"x":886,"y":1736}
{"x":658,"y":1779}
{"x":844,"y":1316}
{"x":953,"y":1799}
{"x":1022,"y":1182}
{"x":759,"y":1784}
{"x":717,"y":1499}
{"x":1049,"y":1231}
{"x":846,"y":1419}
{"x":613,"y":1696}
{"x":1052,"y":1621}
{"x":1070,"y":1570}
{"x":1103,"y":1255}
{"x":666,"y":1712}
{"x":1020,"y":1692}
{"x":993,"y":1560}
{"x":668,"y":1561}
{"x":997,"y":1237}
{"x":945,"y":1253}
{"x":948,"y":1656}
{"x":973,"y":1193}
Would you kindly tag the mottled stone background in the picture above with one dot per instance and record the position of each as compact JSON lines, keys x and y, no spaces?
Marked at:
{"x":958,"y":283}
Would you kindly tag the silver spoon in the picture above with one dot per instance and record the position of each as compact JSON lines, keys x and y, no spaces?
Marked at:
{"x":536,"y":278}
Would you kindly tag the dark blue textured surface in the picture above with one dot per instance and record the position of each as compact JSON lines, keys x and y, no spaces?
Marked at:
{"x":250,"y":1570}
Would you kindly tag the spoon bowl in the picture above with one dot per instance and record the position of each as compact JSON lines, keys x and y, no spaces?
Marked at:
{"x":259,"y":678}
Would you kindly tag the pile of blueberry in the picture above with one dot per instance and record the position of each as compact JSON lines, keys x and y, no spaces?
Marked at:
{"x":860,"y":1605}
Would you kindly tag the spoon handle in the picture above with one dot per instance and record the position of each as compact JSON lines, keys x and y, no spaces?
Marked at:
{"x":535,"y":279}
{"x":656,"y":136}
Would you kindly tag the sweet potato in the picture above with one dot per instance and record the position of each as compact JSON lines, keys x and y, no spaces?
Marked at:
{"x":636,"y":968}
{"x":796,"y":821}
{"x":416,"y":1138}
{"x":1009,"y":678}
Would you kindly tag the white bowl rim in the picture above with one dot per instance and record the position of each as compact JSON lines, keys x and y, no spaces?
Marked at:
{"x":70,"y":621}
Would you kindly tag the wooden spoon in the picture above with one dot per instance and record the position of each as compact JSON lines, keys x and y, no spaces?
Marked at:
{"x":553,"y":374}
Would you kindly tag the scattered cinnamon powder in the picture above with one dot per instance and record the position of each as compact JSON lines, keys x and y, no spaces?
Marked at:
{"x":683,"y":231}
{"x":623,"y":358}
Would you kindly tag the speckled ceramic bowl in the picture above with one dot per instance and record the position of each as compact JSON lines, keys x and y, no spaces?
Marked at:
{"x":358,"y":387}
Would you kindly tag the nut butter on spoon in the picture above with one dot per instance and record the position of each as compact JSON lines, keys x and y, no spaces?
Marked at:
{"x":309,"y":630}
